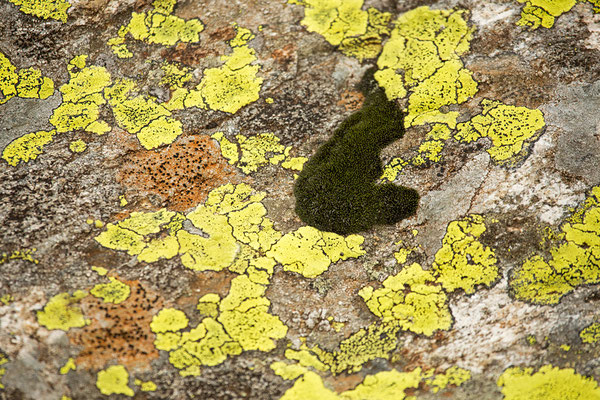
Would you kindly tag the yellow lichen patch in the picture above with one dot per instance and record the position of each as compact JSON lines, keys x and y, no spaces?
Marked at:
{"x":6,"y":299}
{"x":3,"y":360}
{"x":257,"y":151}
{"x":77,"y":146}
{"x":150,"y":121}
{"x":412,"y":300}
{"x":426,"y":45}
{"x":574,"y":260}
{"x":147,"y":386}
{"x":159,"y":26}
{"x":55,"y":9}
{"x":232,"y":214}
{"x":113,"y":292}
{"x":452,"y":376}
{"x":463,"y":262}
{"x":26,"y":82}
{"x":26,"y":254}
{"x":508,"y":127}
{"x":229,"y":87}
{"x":374,"y":341}
{"x":310,"y":252}
{"x":27,"y":147}
{"x":243,"y":323}
{"x":114,"y":380}
{"x":82,"y":98}
{"x":63,"y":312}
{"x":69,"y":366}
{"x":538,"y":13}
{"x":549,"y":383}
{"x":309,"y":387}
{"x":386,"y":385}
{"x":357,"y":32}
{"x":591,"y":334}
{"x":175,"y":75}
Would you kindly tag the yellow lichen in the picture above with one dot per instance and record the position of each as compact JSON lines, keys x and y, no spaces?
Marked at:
{"x":175,"y":75}
{"x":69,"y":366}
{"x":358,"y":33}
{"x":26,"y":254}
{"x":549,"y":383}
{"x":243,"y":323}
{"x":412,"y":300}
{"x":114,"y":292}
{"x":27,"y":147}
{"x":229,"y":87}
{"x":147,"y":386}
{"x":538,"y":13}
{"x":3,"y":360}
{"x":257,"y":151}
{"x":574,"y":259}
{"x":310,"y":252}
{"x":62,"y":312}
{"x":114,"y":380}
{"x":6,"y":299}
{"x":150,"y":121}
{"x":591,"y":334}
{"x":508,"y":127}
{"x":426,"y":44}
{"x":82,"y":98}
{"x":55,"y":9}
{"x":452,"y":376}
{"x":27,"y":82}
{"x":77,"y":146}
{"x":463,"y":262}
{"x":386,"y":385}
{"x":157,"y":26}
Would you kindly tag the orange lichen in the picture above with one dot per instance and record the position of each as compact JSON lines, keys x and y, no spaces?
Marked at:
{"x":351,"y":100}
{"x":119,"y":332}
{"x":182,"y":174}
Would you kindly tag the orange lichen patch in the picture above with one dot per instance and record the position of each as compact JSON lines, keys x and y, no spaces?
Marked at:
{"x":285,"y":55}
{"x":351,"y":101}
{"x":182,"y":174}
{"x":118,"y":332}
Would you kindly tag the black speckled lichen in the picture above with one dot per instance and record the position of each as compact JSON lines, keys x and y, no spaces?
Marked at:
{"x":337,"y":191}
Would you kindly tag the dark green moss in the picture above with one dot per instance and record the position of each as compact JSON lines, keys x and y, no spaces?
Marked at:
{"x":336,"y":190}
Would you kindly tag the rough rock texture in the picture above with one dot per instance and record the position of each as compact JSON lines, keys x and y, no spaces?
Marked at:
{"x":149,"y":245}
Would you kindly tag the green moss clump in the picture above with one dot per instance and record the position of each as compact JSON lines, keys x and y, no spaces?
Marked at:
{"x":337,"y":190}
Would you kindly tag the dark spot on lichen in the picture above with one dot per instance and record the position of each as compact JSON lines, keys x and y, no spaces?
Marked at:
{"x":337,"y":191}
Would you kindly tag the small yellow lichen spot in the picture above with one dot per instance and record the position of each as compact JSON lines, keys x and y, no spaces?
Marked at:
{"x":100,"y":270}
{"x":393,"y":168}
{"x":412,"y":300}
{"x":3,"y":360}
{"x":69,"y":366}
{"x":27,"y":147}
{"x":590,"y":334}
{"x":65,"y":398}
{"x":531,"y":340}
{"x":463,"y":262}
{"x":269,"y":100}
{"x":62,"y":312}
{"x":6,"y":299}
{"x":288,"y":371}
{"x":453,"y":376}
{"x":169,"y":320}
{"x":123,"y":201}
{"x":77,"y":146}
{"x":549,"y":383}
{"x":565,"y":347}
{"x":98,"y":224}
{"x":114,"y":380}
{"x":147,"y":386}
{"x":508,"y":127}
{"x":306,"y":359}
{"x":310,"y":252}
{"x":55,"y":9}
{"x":114,"y":292}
